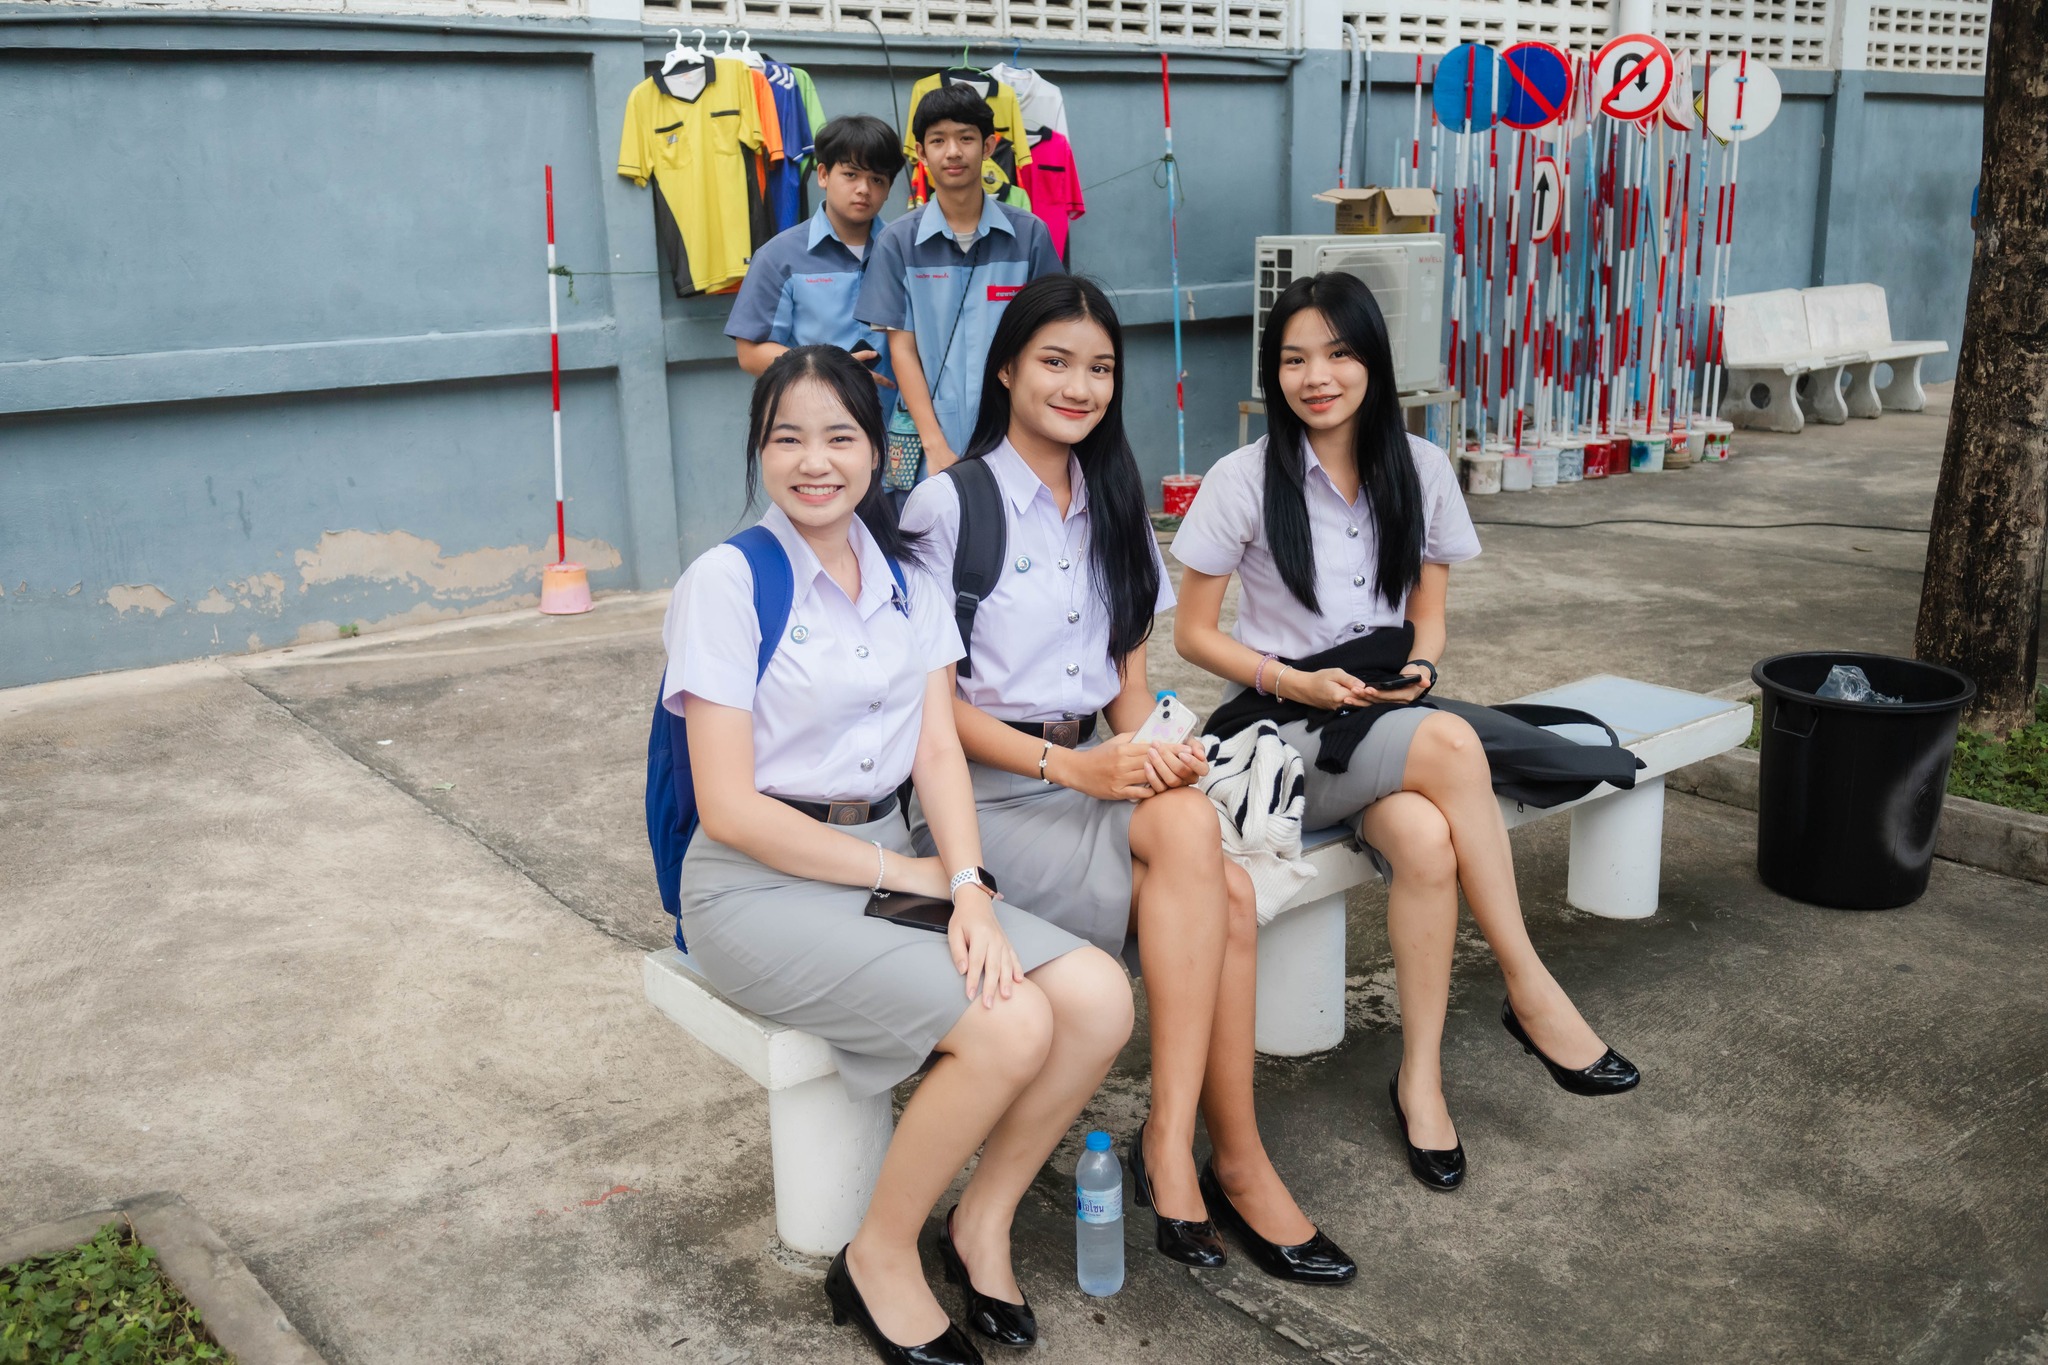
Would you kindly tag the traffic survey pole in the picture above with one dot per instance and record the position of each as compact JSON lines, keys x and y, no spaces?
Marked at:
{"x":564,"y":587}
{"x":1178,"y":490}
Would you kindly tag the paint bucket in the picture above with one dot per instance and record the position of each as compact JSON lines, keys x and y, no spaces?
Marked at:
{"x":1714,"y":439}
{"x":564,"y":589}
{"x":1646,"y":452}
{"x":1177,"y":492}
{"x":1618,"y":447}
{"x":1571,"y":461}
{"x":1517,"y":472}
{"x":1679,"y":450}
{"x":1596,"y":457}
{"x":1543,"y":471}
{"x":1482,"y":473}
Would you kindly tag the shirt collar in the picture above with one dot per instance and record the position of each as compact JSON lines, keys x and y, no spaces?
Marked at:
{"x":877,"y":584}
{"x":821,"y":228}
{"x":1022,"y":485}
{"x":1311,"y":463}
{"x":934,"y":220}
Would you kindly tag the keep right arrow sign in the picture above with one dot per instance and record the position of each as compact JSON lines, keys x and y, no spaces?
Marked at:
{"x":1631,"y":77}
{"x":1547,"y":200}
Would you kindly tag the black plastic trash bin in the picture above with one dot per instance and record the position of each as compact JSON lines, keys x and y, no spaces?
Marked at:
{"x":1849,"y":792}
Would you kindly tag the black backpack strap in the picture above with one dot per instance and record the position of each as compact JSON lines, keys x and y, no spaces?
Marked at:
{"x":978,"y":555}
{"x":1546,"y":716}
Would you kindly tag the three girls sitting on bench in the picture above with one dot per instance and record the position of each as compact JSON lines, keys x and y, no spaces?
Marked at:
{"x":1022,"y":1001}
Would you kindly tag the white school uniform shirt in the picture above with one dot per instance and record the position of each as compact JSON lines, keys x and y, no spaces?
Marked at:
{"x":1041,"y":637}
{"x":836,"y":716}
{"x":1225,"y":530}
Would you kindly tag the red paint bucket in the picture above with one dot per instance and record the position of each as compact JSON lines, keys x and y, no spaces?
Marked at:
{"x":1178,"y":493}
{"x":1596,"y":457}
{"x":1617,"y":455}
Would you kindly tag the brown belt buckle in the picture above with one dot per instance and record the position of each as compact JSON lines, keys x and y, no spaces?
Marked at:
{"x":847,"y":812}
{"x":1065,"y":733}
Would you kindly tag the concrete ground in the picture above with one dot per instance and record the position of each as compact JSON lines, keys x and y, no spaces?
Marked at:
{"x":343,"y":943}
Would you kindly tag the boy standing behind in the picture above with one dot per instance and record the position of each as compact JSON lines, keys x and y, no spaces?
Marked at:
{"x":942,"y":276}
{"x":801,"y":287}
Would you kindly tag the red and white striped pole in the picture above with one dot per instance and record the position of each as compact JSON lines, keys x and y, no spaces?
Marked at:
{"x":564,"y":587}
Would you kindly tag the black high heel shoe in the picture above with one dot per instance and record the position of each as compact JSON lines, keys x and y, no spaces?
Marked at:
{"x":1178,"y":1239}
{"x":1611,"y":1075}
{"x":1434,"y":1167}
{"x":1003,"y":1322}
{"x":950,"y":1347}
{"x":1316,"y":1261}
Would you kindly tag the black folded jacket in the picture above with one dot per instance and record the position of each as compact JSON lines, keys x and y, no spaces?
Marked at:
{"x":1530,"y":763}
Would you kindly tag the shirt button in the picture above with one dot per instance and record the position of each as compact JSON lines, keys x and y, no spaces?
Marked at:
{"x":1358,"y":627}
{"x":1063,"y":563}
{"x":1351,"y":531}
{"x":1073,"y":670}
{"x":874,"y":706}
{"x":867,"y":765}
{"x":860,"y":651}
{"x":1358,"y":580}
{"x":1072,"y":617}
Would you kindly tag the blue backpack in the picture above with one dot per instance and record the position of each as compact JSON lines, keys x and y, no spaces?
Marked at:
{"x":671,"y":792}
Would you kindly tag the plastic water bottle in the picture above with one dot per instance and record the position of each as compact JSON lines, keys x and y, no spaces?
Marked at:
{"x":1099,"y":1219}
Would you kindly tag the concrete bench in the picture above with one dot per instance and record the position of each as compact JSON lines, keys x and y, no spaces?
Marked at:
{"x":1778,"y":375}
{"x":1616,"y":853}
{"x":827,"y":1150}
{"x":1855,"y":317}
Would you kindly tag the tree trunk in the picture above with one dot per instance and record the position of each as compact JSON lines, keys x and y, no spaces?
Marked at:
{"x":1981,"y":601}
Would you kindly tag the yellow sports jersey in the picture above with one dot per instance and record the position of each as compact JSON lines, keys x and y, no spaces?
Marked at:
{"x":1002,"y":102}
{"x":695,"y":152}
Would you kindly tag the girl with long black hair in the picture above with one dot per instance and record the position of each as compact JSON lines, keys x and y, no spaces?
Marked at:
{"x":796,"y":777}
{"x":1341,"y":528}
{"x":1106,"y":837}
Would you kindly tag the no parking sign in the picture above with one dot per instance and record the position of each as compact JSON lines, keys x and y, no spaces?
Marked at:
{"x":1631,"y":77}
{"x":1538,"y":88}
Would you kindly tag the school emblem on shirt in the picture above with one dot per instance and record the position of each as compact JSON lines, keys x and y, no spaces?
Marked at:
{"x":1003,"y":293}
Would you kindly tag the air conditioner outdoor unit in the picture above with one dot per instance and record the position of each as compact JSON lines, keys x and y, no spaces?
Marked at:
{"x":1405,"y":273}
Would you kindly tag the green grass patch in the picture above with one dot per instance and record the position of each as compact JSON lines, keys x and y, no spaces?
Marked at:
{"x":102,"y":1303}
{"x":1165,"y":524}
{"x":2013,"y":774}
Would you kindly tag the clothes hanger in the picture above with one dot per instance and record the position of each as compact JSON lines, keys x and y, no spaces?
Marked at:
{"x":747,"y":53}
{"x":702,"y":51}
{"x":676,"y":54}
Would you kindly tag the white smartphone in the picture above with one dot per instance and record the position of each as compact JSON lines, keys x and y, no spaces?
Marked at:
{"x":1170,"y":722}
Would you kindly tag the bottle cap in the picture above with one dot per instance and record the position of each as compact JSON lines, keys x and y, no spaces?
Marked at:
{"x":1164,"y":693}
{"x":1098,"y":1141}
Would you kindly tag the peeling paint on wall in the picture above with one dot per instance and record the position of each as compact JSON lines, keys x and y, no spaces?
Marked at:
{"x":402,"y":557}
{"x":127,"y":597}
{"x":213,"y":604}
{"x":265,"y":590}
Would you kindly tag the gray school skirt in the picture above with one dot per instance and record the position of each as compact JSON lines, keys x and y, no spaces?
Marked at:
{"x":1377,"y":766}
{"x":1059,"y":851}
{"x":802,"y":953}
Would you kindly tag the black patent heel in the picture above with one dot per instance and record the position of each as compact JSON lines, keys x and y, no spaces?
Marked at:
{"x":1186,"y":1240}
{"x":1611,"y":1075}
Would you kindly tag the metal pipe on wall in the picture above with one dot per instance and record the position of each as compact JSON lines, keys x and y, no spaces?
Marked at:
{"x":1350,"y":104}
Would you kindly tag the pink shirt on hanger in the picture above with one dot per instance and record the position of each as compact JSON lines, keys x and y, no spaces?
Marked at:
{"x":1054,"y":184}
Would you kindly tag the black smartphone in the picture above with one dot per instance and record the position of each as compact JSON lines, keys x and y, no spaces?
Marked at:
{"x":1394,"y":683}
{"x":911,"y":911}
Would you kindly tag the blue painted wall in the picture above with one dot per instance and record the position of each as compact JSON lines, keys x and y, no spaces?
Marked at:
{"x":273,"y":361}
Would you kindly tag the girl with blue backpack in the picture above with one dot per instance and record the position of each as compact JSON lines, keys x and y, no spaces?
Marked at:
{"x":798,"y":731}
{"x":1107,"y":837}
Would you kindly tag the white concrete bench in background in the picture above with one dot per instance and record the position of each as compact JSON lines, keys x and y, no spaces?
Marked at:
{"x":1616,"y":854}
{"x":827,"y":1150}
{"x":1778,"y":375}
{"x":1855,"y":317}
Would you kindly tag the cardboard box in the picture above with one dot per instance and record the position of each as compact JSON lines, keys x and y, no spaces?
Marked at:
{"x":1379,"y":209}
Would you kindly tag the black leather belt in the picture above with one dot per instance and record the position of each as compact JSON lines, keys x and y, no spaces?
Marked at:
{"x":843,"y":812}
{"x":1068,"y":734}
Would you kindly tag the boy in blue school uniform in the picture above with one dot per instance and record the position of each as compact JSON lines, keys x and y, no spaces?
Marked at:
{"x":940,"y":277}
{"x":800,"y":288}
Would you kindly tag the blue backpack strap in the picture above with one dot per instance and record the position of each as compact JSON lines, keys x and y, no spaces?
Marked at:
{"x":671,"y":790}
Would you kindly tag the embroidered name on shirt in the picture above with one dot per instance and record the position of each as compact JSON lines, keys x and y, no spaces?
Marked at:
{"x":1003,"y":293}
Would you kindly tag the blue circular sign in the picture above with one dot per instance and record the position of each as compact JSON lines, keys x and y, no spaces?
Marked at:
{"x":1463,"y":91}
{"x":1536,"y":89}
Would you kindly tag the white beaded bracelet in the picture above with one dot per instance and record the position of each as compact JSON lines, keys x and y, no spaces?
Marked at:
{"x":880,"y":867}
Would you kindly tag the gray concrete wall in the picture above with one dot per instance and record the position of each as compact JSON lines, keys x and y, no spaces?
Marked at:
{"x":273,"y":358}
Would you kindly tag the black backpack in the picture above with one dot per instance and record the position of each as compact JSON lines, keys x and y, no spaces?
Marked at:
{"x":978,"y":554}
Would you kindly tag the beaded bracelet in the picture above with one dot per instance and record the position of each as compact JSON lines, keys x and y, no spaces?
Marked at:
{"x":1259,"y":676}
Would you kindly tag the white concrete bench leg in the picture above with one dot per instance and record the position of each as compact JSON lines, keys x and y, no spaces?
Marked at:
{"x":1820,"y":396}
{"x":1862,"y":397}
{"x":1618,"y":853}
{"x":827,"y":1152}
{"x":1904,"y":393}
{"x":1301,"y":980}
{"x":1779,"y":411}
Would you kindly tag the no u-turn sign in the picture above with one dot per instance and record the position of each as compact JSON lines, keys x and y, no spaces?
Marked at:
{"x":1631,"y":77}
